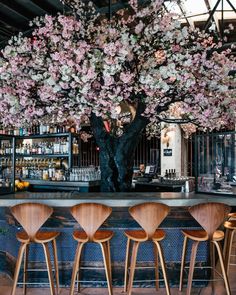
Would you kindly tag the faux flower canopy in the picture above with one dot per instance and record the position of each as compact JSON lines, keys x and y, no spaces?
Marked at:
{"x":73,"y":66}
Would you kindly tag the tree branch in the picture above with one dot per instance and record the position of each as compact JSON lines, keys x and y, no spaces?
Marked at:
{"x":98,"y":127}
{"x":139,"y":123}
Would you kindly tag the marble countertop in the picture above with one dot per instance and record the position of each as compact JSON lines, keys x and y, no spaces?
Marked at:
{"x":67,"y":199}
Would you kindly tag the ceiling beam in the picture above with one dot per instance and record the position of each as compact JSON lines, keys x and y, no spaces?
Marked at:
{"x":15,"y":7}
{"x":6,"y":33}
{"x":211,"y":15}
{"x":46,"y":6}
{"x":183,"y":12}
{"x":9,"y":22}
{"x":232,"y":6}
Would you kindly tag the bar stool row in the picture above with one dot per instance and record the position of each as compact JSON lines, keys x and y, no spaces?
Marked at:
{"x":149,"y":216}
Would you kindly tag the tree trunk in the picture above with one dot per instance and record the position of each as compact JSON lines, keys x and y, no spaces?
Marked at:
{"x":117,"y":153}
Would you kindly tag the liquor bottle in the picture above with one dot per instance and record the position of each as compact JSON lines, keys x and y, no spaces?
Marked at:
{"x":27,"y":149}
{"x":21,"y":131}
{"x":56,"y":146}
{"x":17,"y":149}
{"x":29,"y":131}
{"x":7,"y":149}
{"x":41,"y":129}
{"x":34,"y":129}
{"x":33,"y":151}
{"x":51,"y":129}
{"x":75,"y":146}
{"x":45,"y":174}
{"x":37,"y":129}
{"x":16,"y":132}
{"x":39,"y":148}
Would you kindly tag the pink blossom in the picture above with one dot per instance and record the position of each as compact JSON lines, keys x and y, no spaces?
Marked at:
{"x":72,"y":67}
{"x":126,"y":77}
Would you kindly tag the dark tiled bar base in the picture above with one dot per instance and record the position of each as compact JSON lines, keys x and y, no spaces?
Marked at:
{"x":62,"y":221}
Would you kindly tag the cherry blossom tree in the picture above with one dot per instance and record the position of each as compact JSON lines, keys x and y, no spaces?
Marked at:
{"x":123,"y":75}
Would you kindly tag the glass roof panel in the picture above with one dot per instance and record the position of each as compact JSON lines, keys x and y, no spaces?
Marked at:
{"x":225,"y":3}
{"x":193,"y":7}
{"x":173,"y":7}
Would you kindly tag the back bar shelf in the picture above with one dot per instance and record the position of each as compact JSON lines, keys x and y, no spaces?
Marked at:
{"x":40,"y":157}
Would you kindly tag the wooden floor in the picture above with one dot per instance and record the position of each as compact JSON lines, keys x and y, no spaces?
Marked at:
{"x":5,"y":288}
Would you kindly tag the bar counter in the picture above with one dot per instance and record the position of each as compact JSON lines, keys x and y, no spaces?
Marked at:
{"x":118,"y":222}
{"x":67,"y":199}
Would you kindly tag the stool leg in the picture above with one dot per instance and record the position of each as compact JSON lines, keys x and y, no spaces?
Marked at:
{"x":75,"y":267}
{"x":106,"y":264}
{"x":183,"y":263}
{"x":109,"y":258}
{"x":228,"y":249}
{"x":127,"y":260}
{"x":26,"y":253}
{"x":213,"y":265}
{"x":49,"y":267}
{"x":222,"y":264}
{"x":54,"y":247}
{"x":163,"y":266}
{"x":132,"y":266}
{"x":191,"y":268}
{"x":17,"y":269}
{"x":226,"y":241}
{"x":78,"y":278}
{"x":156,"y":267}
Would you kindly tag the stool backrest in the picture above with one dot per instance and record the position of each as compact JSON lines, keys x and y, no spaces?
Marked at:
{"x":210,"y":215}
{"x":90,"y":216}
{"x":31,"y":216}
{"x":149,"y":216}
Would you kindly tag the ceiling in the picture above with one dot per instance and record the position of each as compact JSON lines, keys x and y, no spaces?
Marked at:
{"x":16,"y":14}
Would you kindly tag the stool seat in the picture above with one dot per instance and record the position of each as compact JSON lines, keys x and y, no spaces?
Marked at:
{"x":90,"y":217}
{"x":100,"y":236}
{"x":149,"y":216}
{"x":140,"y":235}
{"x":232,"y":215}
{"x":201,"y":235}
{"x":230,"y":224}
{"x":41,"y":237}
{"x":210,"y":216}
{"x":230,"y":227}
{"x":31,"y":217}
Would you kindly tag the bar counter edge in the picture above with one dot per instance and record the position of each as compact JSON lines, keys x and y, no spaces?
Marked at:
{"x":67,"y":199}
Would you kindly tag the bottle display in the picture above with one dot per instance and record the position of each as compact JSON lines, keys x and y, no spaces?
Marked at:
{"x":6,"y":165}
{"x":38,"y":129}
{"x":36,"y":157}
{"x":49,"y":158}
{"x":57,"y":146}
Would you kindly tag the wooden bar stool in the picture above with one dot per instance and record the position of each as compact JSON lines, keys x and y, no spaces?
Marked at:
{"x":91,"y":216}
{"x":149,"y":216}
{"x":210,"y":216}
{"x":230,"y":227}
{"x":31,"y":217}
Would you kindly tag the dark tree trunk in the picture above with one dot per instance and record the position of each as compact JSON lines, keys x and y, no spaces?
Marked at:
{"x":117,"y":153}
